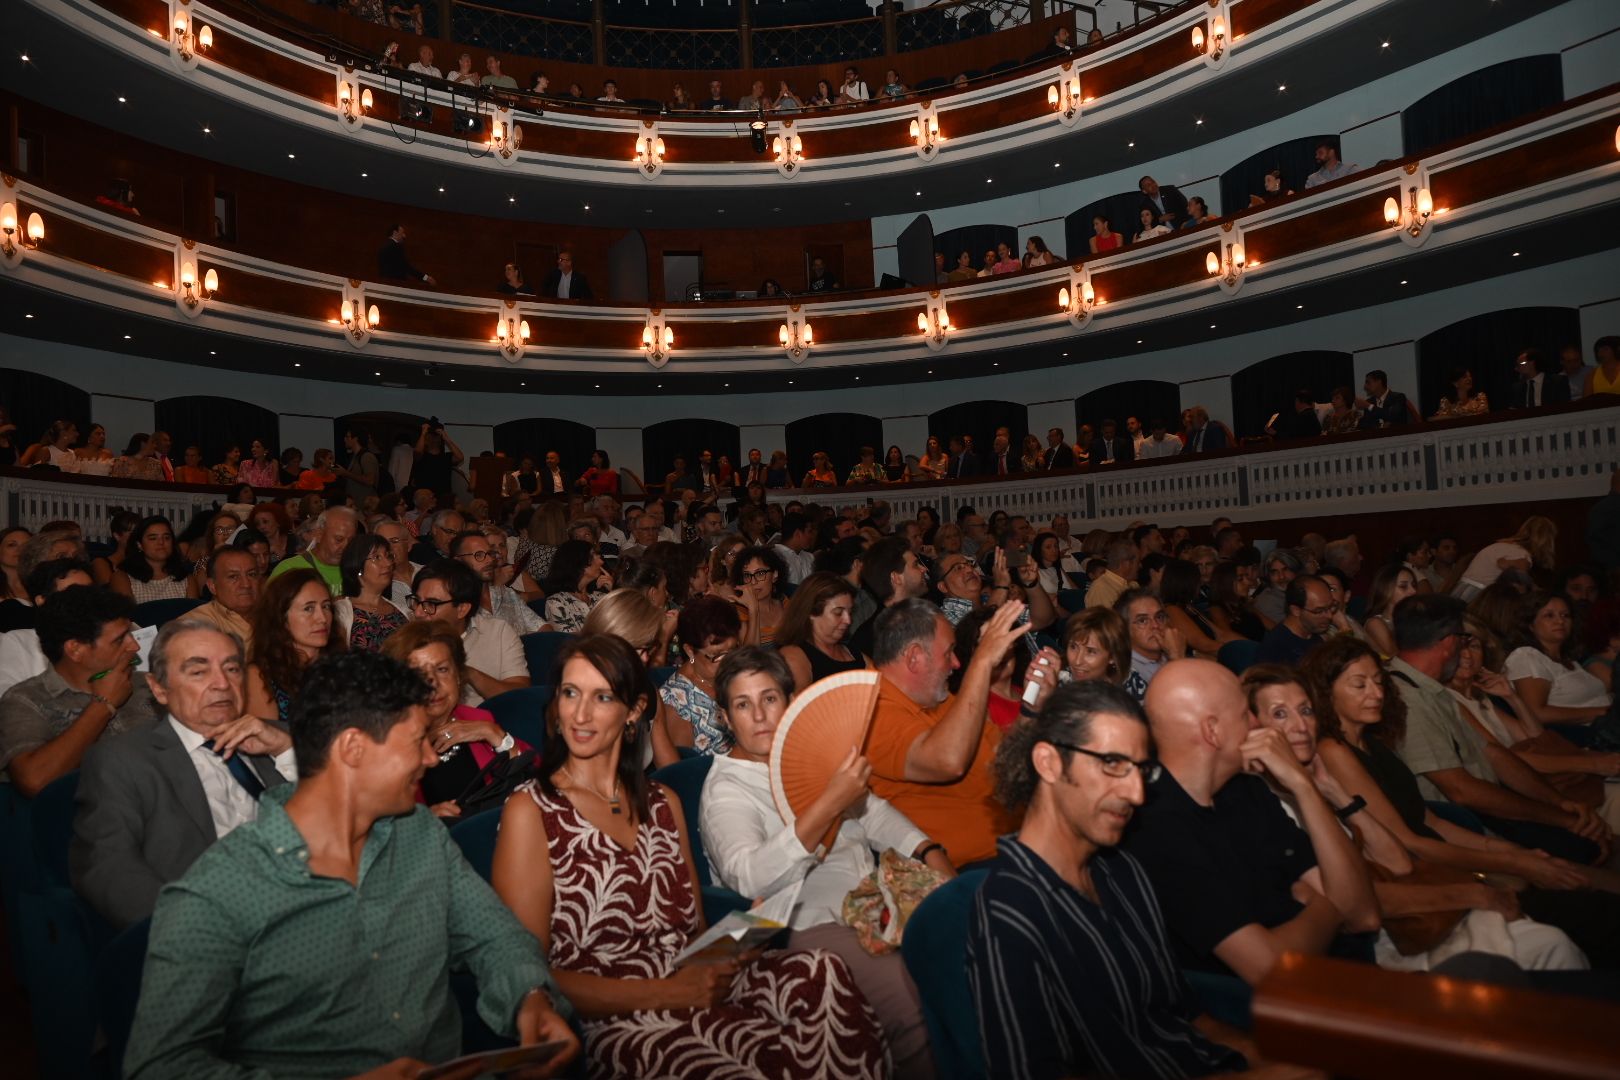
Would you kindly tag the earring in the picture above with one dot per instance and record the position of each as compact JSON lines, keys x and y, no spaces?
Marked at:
{"x":629,"y":729}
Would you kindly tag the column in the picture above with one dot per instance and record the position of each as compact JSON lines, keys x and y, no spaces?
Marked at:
{"x":598,"y":33}
{"x":745,"y":33}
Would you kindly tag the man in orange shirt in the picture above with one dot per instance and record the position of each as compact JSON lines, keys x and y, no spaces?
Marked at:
{"x":930,"y":750}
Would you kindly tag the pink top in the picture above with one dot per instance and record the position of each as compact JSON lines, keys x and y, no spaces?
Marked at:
{"x":1007,"y":266}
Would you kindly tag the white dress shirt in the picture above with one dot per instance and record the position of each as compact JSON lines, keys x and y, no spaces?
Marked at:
{"x":493,"y":648}
{"x":800,"y":564}
{"x":229,"y":803}
{"x":752,"y":851}
{"x":565,"y":283}
{"x":1153,"y":448}
{"x":20,"y":658}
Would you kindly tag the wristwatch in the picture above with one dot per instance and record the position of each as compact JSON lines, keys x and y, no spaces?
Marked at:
{"x":506,"y":744}
{"x":1351,"y":809}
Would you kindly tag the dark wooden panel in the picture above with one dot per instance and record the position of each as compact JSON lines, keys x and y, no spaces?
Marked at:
{"x":1320,"y":228}
{"x":1584,"y":147}
{"x":1251,"y":15}
{"x":273,"y":68}
{"x":282,"y":297}
{"x":114,"y":254}
{"x":1144,"y":279}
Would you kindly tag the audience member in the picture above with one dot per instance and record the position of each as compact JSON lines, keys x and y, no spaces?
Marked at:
{"x":152,"y":569}
{"x":1462,"y":401}
{"x":1533,"y":546}
{"x":1111,"y":447}
{"x":1382,"y":407}
{"x":235,"y":582}
{"x":892,"y":574}
{"x":566,"y":283}
{"x":1537,"y":383}
{"x":1605,"y":377}
{"x":1123,"y":559}
{"x":1154,"y":642}
{"x":334,"y":528}
{"x":1160,"y":444}
{"x":1167,"y":203}
{"x":717,"y":100}
{"x":500,"y":600}
{"x":687,"y":709}
{"x":1310,"y":615}
{"x":366,"y":613}
{"x":1328,"y":166}
{"x":1552,"y":687}
{"x":20,"y":654}
{"x":292,"y":628}
{"x":1149,"y":226}
{"x":392,"y":262}
{"x":1197,"y":213}
{"x":447,"y":591}
{"x":757,"y":575}
{"x":1103,"y":237}
{"x":1271,"y":602}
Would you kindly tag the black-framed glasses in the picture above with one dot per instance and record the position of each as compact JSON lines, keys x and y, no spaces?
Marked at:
{"x":751,"y":576}
{"x":430,"y":606}
{"x":1117,"y":766}
{"x":478,"y":556}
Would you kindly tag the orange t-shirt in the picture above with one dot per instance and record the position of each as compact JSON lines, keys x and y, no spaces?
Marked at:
{"x":963,"y":816}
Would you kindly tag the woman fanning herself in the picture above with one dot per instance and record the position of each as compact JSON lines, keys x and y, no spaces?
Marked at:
{"x":815,"y":628}
{"x":1487,"y":919}
{"x":753,"y":851}
{"x":595,"y":862}
{"x":1360,"y":719}
{"x":293,"y":626}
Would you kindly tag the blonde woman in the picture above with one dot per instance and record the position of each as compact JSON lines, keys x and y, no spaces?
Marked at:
{"x":935,"y":461}
{"x":1535,"y":544}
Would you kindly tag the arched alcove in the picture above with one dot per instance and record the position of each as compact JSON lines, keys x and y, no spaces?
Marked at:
{"x":661,"y":442}
{"x":1487,"y":344}
{"x":539,"y":435}
{"x":980,"y":420}
{"x":1145,"y":399}
{"x":216,"y":424}
{"x":841,"y":435}
{"x":34,"y":402}
{"x":1268,"y":386}
{"x":1482,"y":99}
{"x":1296,"y":158}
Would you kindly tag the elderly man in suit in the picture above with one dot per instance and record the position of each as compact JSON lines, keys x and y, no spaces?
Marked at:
{"x":151,"y":801}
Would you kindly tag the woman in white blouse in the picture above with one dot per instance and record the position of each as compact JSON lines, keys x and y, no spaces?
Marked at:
{"x":1533,"y":545}
{"x":753,"y":851}
{"x":1554,"y":688}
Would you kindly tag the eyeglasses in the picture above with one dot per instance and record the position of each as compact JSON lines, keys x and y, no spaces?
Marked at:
{"x":1117,"y":766}
{"x":478,"y":556}
{"x":751,"y":576}
{"x":1321,"y":611}
{"x":714,"y":658}
{"x":1156,"y":619}
{"x":430,"y":606}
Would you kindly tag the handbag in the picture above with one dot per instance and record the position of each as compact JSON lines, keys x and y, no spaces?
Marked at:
{"x":1414,"y":934}
{"x":495,"y":781}
{"x":878,"y":908}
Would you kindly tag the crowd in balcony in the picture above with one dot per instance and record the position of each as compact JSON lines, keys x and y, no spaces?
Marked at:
{"x":1113,"y":756}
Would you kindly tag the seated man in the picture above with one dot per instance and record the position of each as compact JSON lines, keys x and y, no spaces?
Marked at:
{"x":1068,"y":960}
{"x":334,"y":528}
{"x":1123,"y":558}
{"x":151,"y":801}
{"x":1239,"y":882}
{"x":234,"y":579}
{"x":88,"y":691}
{"x":1448,"y":755}
{"x":1154,"y":642}
{"x":930,"y":750}
{"x":449,"y":592}
{"x":1310,"y":614}
{"x":269,"y":957}
{"x":473,"y":549}
{"x":20,"y":655}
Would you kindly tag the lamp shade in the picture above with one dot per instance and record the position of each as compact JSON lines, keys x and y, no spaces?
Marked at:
{"x":1392,"y":211}
{"x":8,"y":217}
{"x":1198,"y":38}
{"x":1425,"y":202}
{"x":36,"y":228}
{"x":373,"y":318}
{"x":211,"y":280}
{"x":1212,"y":263}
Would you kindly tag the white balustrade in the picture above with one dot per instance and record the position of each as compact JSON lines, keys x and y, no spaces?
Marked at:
{"x":32,"y":501}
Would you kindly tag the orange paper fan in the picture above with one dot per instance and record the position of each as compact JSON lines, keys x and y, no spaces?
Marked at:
{"x":815,"y":737}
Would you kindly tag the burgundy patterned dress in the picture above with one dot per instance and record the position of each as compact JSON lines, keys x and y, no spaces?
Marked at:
{"x":626,"y":914}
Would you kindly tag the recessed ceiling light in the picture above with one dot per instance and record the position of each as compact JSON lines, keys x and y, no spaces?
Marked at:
{"x":509,"y":198}
{"x":208,"y":131}
{"x":121,"y":100}
{"x":297,"y":364}
{"x":1403,"y":281}
{"x":1199,"y":122}
{"x":378,"y":373}
{"x":24,"y":58}
{"x":1281,"y":87}
{"x":441,"y":191}
{"x":588,"y":206}
{"x":916,"y":193}
{"x":857,"y":378}
{"x":452,"y":380}
{"x":995,"y":363}
{"x":989,"y":180}
{"x":1385,"y":45}
{"x":1130,"y":145}
{"x":1299,"y":307}
{"x":728,"y":385}
{"x":211,"y":352}
{"x":1515,"y":254}
{"x":1057,"y":165}
{"x":1212,"y":326}
{"x":1065,"y":354}
{"x":790,"y":382}
{"x":291,"y":157}
{"x":523,"y":384}
{"x":29,"y":315}
{"x":723,"y":209}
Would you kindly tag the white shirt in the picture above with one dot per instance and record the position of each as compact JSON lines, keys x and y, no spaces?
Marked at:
{"x":493,"y":648}
{"x":1572,"y":687}
{"x":564,"y":283}
{"x":229,"y":803}
{"x":1483,"y":571}
{"x":425,"y":69}
{"x":800,"y":564}
{"x":1152,"y":448}
{"x":400,"y":460}
{"x":20,"y":658}
{"x":506,"y":604}
{"x":752,"y":851}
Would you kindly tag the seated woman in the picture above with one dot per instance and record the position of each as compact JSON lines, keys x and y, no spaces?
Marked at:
{"x":1229,"y":606}
{"x":1463,"y":400}
{"x":1104,"y":238}
{"x":272,"y":521}
{"x":577,"y":580}
{"x":895,"y":468}
{"x":319,"y":474}
{"x":1178,"y":591}
{"x":260,"y":469}
{"x":93,"y":457}
{"x":139,"y":460}
{"x":1037,"y":254}
{"x":758,"y":576}
{"x":776,"y":471}
{"x":1390,"y":586}
{"x":813,"y":637}
{"x":866,"y":470}
{"x":215,"y":533}
{"x":292,"y":628}
{"x":1345,"y":417}
{"x":821,"y":474}
{"x":824,"y":95}
{"x":53,"y":447}
{"x":152,"y":568}
{"x":1487,"y":917}
{"x":465,"y":738}
{"x":119,"y":525}
{"x":1555,"y":689}
{"x":228,"y":470}
{"x":1148,"y":226}
{"x":708,"y":628}
{"x":754,"y":852}
{"x":630,"y":616}
{"x":365,"y":614}
{"x":893,"y":85}
{"x":935,"y":461}
{"x":786,"y":99}
{"x":1033,"y":458}
{"x":1096,"y":647}
{"x":595,"y":862}
{"x":1007,"y":678}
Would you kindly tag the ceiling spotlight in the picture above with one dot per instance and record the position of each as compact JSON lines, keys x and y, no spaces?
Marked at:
{"x":378,"y":373}
{"x":24,"y":58}
{"x":208,"y":131}
{"x":121,"y":100}
{"x":988,"y":180}
{"x":1130,"y":146}
{"x":1403,"y":281}
{"x":441,"y":191}
{"x":588,"y":206}
{"x":509,"y":198}
{"x":211,"y":352}
{"x":1282,"y":87}
{"x":1385,"y":45}
{"x":1515,"y":254}
{"x":1199,"y":122}
{"x":1299,"y":307}
{"x":30,"y":315}
{"x":126,"y":337}
{"x":1139,"y":341}
{"x":297,"y":364}
{"x":1212,"y":326}
{"x":292,"y":157}
{"x":364,"y":175}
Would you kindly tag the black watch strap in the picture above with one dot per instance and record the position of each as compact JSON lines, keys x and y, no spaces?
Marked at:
{"x":1351,"y":809}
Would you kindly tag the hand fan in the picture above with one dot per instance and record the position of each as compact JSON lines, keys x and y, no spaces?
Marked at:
{"x":814,"y":738}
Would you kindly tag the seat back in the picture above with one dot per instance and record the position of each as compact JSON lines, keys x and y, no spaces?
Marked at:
{"x":118,"y":989}
{"x":1238,"y":656}
{"x":935,"y":952}
{"x":661,"y":675}
{"x":53,"y":812}
{"x":476,"y":838}
{"x":522,"y":712}
{"x":685,"y":778}
{"x":540,"y":652}
{"x":158,"y":612}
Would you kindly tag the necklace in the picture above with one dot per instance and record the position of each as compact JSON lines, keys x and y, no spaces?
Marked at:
{"x":612,"y":800}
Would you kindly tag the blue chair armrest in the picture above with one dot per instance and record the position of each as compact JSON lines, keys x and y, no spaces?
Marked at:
{"x":719,"y":901}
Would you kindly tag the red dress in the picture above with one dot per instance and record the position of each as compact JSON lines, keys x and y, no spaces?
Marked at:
{"x":1109,"y":242}
{"x":627,"y":914}
{"x":602,"y":481}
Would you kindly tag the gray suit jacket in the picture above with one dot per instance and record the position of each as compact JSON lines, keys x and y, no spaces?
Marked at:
{"x":142,"y":820}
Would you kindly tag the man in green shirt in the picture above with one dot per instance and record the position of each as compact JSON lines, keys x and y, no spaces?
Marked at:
{"x":336,"y":526}
{"x":318,"y":939}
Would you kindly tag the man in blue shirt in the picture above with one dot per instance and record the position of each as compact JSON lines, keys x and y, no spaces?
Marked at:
{"x":1310,"y":615}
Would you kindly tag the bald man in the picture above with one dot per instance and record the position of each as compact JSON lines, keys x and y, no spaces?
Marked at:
{"x":1239,"y":882}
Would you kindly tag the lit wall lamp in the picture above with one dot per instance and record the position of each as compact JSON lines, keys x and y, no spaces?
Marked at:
{"x":649,"y":156}
{"x":505,"y":137}
{"x":657,"y":339}
{"x":187,"y":39}
{"x":795,"y":335}
{"x":1212,"y":46}
{"x":353,"y":103}
{"x":1411,"y":220}
{"x":511,"y":333}
{"x":16,"y":238}
{"x":359,"y":322}
{"x":1227,"y":266}
{"x":925,"y":131}
{"x":1078,"y":299}
{"x":190,"y":295}
{"x":935,"y":322}
{"x":1064,"y":95}
{"x":788,"y":149}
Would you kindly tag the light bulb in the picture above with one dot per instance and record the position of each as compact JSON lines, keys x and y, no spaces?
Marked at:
{"x":365,"y":99}
{"x":205,"y":37}
{"x":782,"y":334}
{"x":922,"y":321}
{"x":1198,"y":39}
{"x":345,"y":92}
{"x":523,"y":329}
{"x":660,"y":145}
{"x":36,"y":228}
{"x":8,"y":217}
{"x":211,"y":280}
{"x":1063,"y":299}
{"x":1237,"y":254}
{"x":646,"y":337}
{"x":669,"y":337}
{"x":1425,"y":202}
{"x":809,"y":336}
{"x":500,"y":329}
{"x":346,"y":312}
{"x":1085,"y":292}
{"x":188,"y":275}
{"x":372,"y":317}
{"x":1218,"y":28}
{"x":916,"y":131}
{"x":1392,"y":211}
{"x":1211,"y":263}
{"x":1051,"y":99}
{"x":180,"y":22}
{"x":944,"y":319}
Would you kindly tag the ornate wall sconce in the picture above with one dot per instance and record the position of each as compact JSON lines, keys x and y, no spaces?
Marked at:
{"x":795,"y":335}
{"x":187,"y":38}
{"x":1227,"y":266}
{"x":925,"y":131}
{"x":1412,"y":220}
{"x":788,"y":149}
{"x":359,"y":322}
{"x":353,"y":103}
{"x":935,"y":322}
{"x":1213,"y":46}
{"x":1064,"y":95}
{"x":511,"y":333}
{"x":657,"y":339}
{"x":649,"y":156}
{"x":190,"y":295}
{"x":505,"y":137}
{"x":17,"y":237}
{"x":1078,"y":300}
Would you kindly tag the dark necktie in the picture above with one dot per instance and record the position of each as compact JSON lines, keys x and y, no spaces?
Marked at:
{"x":241,"y":771}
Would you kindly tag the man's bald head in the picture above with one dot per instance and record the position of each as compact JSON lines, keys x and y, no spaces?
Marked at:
{"x":1200,"y":717}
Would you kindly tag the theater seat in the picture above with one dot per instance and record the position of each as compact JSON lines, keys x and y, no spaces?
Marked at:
{"x":522,"y":712}
{"x":935,"y":951}
{"x":158,"y":612}
{"x":476,"y":838}
{"x":1227,"y":998}
{"x":661,"y":675}
{"x":118,"y":990}
{"x":1238,"y":656}
{"x":540,"y":653}
{"x":53,"y":812}
{"x":685,"y":778}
